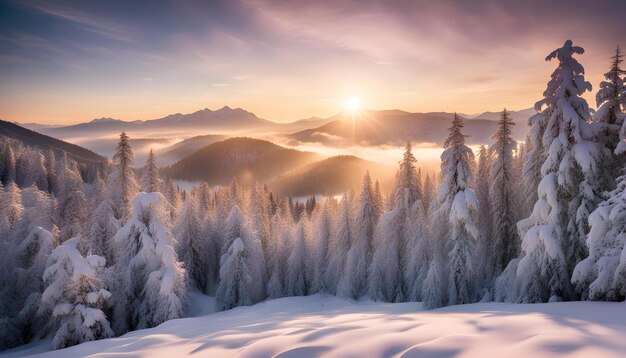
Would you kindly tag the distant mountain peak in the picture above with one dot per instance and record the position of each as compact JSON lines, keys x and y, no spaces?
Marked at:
{"x":105,"y":120}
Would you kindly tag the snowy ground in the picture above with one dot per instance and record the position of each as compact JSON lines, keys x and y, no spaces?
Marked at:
{"x":327,"y":326}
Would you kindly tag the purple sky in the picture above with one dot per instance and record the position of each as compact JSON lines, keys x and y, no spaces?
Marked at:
{"x":71,"y":61}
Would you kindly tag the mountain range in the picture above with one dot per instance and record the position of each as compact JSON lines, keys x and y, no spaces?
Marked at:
{"x":215,"y":158}
{"x":203,"y":121}
{"x":366,"y":127}
{"x":394,"y":127}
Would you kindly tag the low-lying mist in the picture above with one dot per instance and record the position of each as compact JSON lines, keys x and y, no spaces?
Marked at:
{"x":385,"y":156}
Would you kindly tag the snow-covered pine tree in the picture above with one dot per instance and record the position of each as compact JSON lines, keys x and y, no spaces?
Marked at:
{"x":553,"y":236}
{"x":205,"y":199}
{"x":434,"y":293}
{"x":602,"y":275}
{"x":101,"y":229}
{"x":242,"y":272}
{"x":535,"y":156}
{"x":429,"y":192}
{"x":235,"y":194}
{"x":384,"y":281}
{"x":21,"y":286}
{"x":192,"y":247}
{"x":37,"y":206}
{"x":407,"y":177}
{"x":122,"y":181}
{"x":72,"y":203}
{"x":171,"y":193}
{"x":222,"y":210}
{"x":321,"y":238}
{"x":394,"y":235}
{"x":611,"y":101}
{"x":206,"y":218}
{"x":456,"y":165}
{"x":233,"y":227}
{"x":457,"y":231}
{"x":234,"y":277}
{"x":415,"y":252}
{"x":485,"y":214}
{"x":519,"y":159}
{"x":353,"y":282}
{"x":11,"y":209}
{"x":259,"y":216}
{"x":97,"y":194}
{"x":505,"y":240}
{"x":36,"y":170}
{"x":339,"y":245}
{"x":76,"y":296}
{"x":378,"y":199}
{"x":150,"y":179}
{"x":609,"y":118}
{"x":295,"y":281}
{"x":21,"y":164}
{"x":277,"y":254}
{"x":152,"y":281}
{"x":165,"y":293}
{"x":51,"y":171}
{"x":8,"y":164}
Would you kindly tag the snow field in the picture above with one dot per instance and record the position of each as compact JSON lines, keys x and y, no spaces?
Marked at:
{"x":327,"y":326}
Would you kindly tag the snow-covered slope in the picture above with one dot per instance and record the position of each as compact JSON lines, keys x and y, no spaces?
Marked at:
{"x":328,"y":326}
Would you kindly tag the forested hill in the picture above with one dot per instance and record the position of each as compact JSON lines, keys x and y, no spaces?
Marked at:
{"x":246,"y":159}
{"x":330,"y":176}
{"x":46,"y":143}
{"x":188,"y":146}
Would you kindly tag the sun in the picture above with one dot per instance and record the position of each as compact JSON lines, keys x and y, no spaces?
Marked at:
{"x":353,"y":104}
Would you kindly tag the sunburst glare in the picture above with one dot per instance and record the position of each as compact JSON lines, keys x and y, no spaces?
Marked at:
{"x":353,"y":104}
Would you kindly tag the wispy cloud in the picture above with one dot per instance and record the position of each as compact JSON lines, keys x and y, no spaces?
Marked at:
{"x":90,"y":22}
{"x":36,"y":48}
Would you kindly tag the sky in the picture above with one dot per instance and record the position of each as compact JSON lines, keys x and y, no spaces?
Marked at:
{"x":64,"y":62}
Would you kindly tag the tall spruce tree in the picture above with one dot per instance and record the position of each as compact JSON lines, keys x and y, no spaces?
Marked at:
{"x":502,"y":198}
{"x":72,"y":203}
{"x":554,"y":235}
{"x":339,"y":245}
{"x":485,"y":214}
{"x":150,"y":179}
{"x":296,"y":279}
{"x":321,"y":238}
{"x":122,"y":181}
{"x":76,"y":296}
{"x":153,"y":283}
{"x":535,"y":157}
{"x":278,"y":253}
{"x":407,"y":177}
{"x":385,"y":279}
{"x":191,"y":246}
{"x":354,"y":280}
{"x":429,"y":192}
{"x":602,"y":275}
{"x":457,"y":211}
